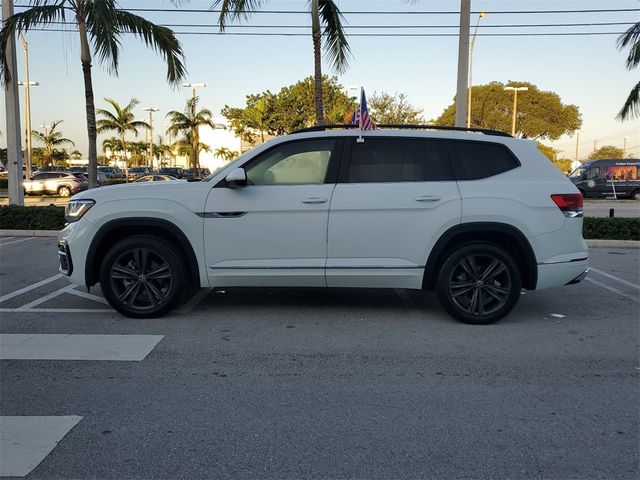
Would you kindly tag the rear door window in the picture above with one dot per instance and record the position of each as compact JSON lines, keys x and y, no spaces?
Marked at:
{"x":398,"y":160}
{"x":476,"y":160}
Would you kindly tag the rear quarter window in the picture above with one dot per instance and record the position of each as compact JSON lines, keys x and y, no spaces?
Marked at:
{"x":477,"y":160}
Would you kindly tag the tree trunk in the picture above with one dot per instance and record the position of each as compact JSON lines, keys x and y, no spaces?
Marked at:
{"x":124,"y":157}
{"x":85,"y":57}
{"x":316,"y":33}
{"x":317,"y":38}
{"x":194,"y":150}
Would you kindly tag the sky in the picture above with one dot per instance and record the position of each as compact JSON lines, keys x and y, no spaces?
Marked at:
{"x":587,"y":71}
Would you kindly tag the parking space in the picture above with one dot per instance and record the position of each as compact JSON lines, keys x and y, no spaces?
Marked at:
{"x":277,"y":383}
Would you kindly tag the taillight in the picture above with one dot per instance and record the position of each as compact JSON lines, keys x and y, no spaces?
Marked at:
{"x":569,"y":203}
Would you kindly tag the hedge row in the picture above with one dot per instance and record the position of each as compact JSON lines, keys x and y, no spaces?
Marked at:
{"x":13,"y":217}
{"x":52,"y":218}
{"x":617,"y":228}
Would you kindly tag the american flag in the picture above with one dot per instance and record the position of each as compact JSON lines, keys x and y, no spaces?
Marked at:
{"x":361,"y":115}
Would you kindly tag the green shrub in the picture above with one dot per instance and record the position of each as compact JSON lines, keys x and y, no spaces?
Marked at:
{"x":13,"y":217}
{"x":115,"y":181}
{"x":616,"y":228}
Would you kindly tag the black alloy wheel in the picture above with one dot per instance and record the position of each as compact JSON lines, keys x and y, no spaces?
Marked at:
{"x":143,"y":276}
{"x":479,"y":284}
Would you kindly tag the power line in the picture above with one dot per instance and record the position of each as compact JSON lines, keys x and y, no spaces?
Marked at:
{"x":379,"y":12}
{"x":397,"y":35}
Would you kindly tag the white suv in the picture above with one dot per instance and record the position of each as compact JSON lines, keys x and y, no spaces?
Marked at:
{"x":477,"y":216}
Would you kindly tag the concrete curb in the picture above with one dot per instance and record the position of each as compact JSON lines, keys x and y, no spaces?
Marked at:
{"x":28,"y":233}
{"x":613,"y":243}
{"x":590,"y":243}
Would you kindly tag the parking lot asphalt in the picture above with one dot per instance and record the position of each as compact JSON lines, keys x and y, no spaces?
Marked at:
{"x":291,"y":383}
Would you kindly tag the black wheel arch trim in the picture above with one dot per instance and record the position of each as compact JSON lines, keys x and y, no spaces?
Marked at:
{"x":92,"y":274}
{"x":435,"y":256}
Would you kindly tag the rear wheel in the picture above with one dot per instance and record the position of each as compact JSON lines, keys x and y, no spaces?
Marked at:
{"x":64,"y":191}
{"x":143,"y":276}
{"x":478,"y":283}
{"x":636,"y":194}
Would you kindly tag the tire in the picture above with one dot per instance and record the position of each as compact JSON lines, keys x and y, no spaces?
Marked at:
{"x":143,"y":276}
{"x":582,"y":193}
{"x":478,"y":283}
{"x":64,"y":191}
{"x":635,"y":195}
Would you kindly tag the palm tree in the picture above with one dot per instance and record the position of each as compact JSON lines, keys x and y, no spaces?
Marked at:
{"x":188,"y":124}
{"x":112,"y":144}
{"x":121,"y":122}
{"x":631,"y":107}
{"x":323,"y":12}
{"x":161,"y":151}
{"x":103,"y":24}
{"x":76,"y":155}
{"x":184,"y":146}
{"x":52,"y":140}
{"x":225,"y":154}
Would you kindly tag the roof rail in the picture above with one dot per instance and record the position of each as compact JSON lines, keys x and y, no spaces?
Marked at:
{"x":350,"y":126}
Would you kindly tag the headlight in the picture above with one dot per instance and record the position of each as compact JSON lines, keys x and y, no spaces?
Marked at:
{"x":75,"y":209}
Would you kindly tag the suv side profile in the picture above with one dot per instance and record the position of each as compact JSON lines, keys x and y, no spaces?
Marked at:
{"x":476,"y":216}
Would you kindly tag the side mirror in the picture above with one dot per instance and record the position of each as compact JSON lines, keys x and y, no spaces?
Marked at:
{"x":237,"y":178}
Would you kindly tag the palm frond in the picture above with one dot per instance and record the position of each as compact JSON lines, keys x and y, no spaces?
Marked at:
{"x":40,"y":14}
{"x":631,"y":37}
{"x":631,"y":108}
{"x":337,"y":47}
{"x":235,"y":9}
{"x":161,"y":39}
{"x":103,"y":26}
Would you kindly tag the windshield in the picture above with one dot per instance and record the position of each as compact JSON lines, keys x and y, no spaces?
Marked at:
{"x":578,"y":172}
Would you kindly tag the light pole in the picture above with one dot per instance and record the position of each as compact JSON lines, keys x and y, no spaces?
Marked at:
{"x":27,"y":122}
{"x":473,"y":42}
{"x":463,"y":63}
{"x":12,"y":115}
{"x":151,"y":110}
{"x":515,"y":104}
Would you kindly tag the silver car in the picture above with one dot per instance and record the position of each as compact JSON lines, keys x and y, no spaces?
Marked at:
{"x":60,"y":183}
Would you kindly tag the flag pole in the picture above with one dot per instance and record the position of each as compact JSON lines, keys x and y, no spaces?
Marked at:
{"x":360,"y":139}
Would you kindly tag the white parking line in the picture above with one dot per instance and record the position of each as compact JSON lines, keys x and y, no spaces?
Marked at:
{"x":2,"y":239}
{"x":17,"y":241}
{"x":57,"y":310}
{"x":123,"y":348}
{"x":88,"y":296}
{"x":46,"y":298}
{"x":26,"y":441}
{"x":613,"y":277}
{"x":30,"y":287}
{"x":611,"y":289}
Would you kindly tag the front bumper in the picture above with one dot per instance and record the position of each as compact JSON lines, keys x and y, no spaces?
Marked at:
{"x":64,"y":258}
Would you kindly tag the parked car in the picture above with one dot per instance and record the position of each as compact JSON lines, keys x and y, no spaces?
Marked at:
{"x":60,"y":183}
{"x":111,"y":172}
{"x":177,"y":172}
{"x":137,"y":172}
{"x":608,"y":178}
{"x":155,"y":178}
{"x":476,"y":216}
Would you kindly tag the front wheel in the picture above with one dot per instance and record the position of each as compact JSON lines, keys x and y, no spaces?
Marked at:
{"x":143,"y":276}
{"x":64,"y":191}
{"x":635,"y":194}
{"x":478,"y":283}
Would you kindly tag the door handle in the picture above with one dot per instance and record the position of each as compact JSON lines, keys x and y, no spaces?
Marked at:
{"x":315,"y":200}
{"x":428,"y":198}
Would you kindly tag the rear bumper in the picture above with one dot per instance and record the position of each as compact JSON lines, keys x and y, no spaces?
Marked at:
{"x":562,"y":273}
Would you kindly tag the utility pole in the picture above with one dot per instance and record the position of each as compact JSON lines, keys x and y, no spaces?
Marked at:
{"x":12,"y":112}
{"x":595,"y":142}
{"x":577,"y":142}
{"x":473,"y":42}
{"x":463,"y":63}
{"x":624,"y":147}
{"x":151,"y":110}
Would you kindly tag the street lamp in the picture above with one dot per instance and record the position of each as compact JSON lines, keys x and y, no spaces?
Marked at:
{"x":27,"y":99}
{"x":193,"y":86}
{"x":473,"y":42}
{"x":151,"y":110}
{"x":27,"y":123}
{"x":515,"y":104}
